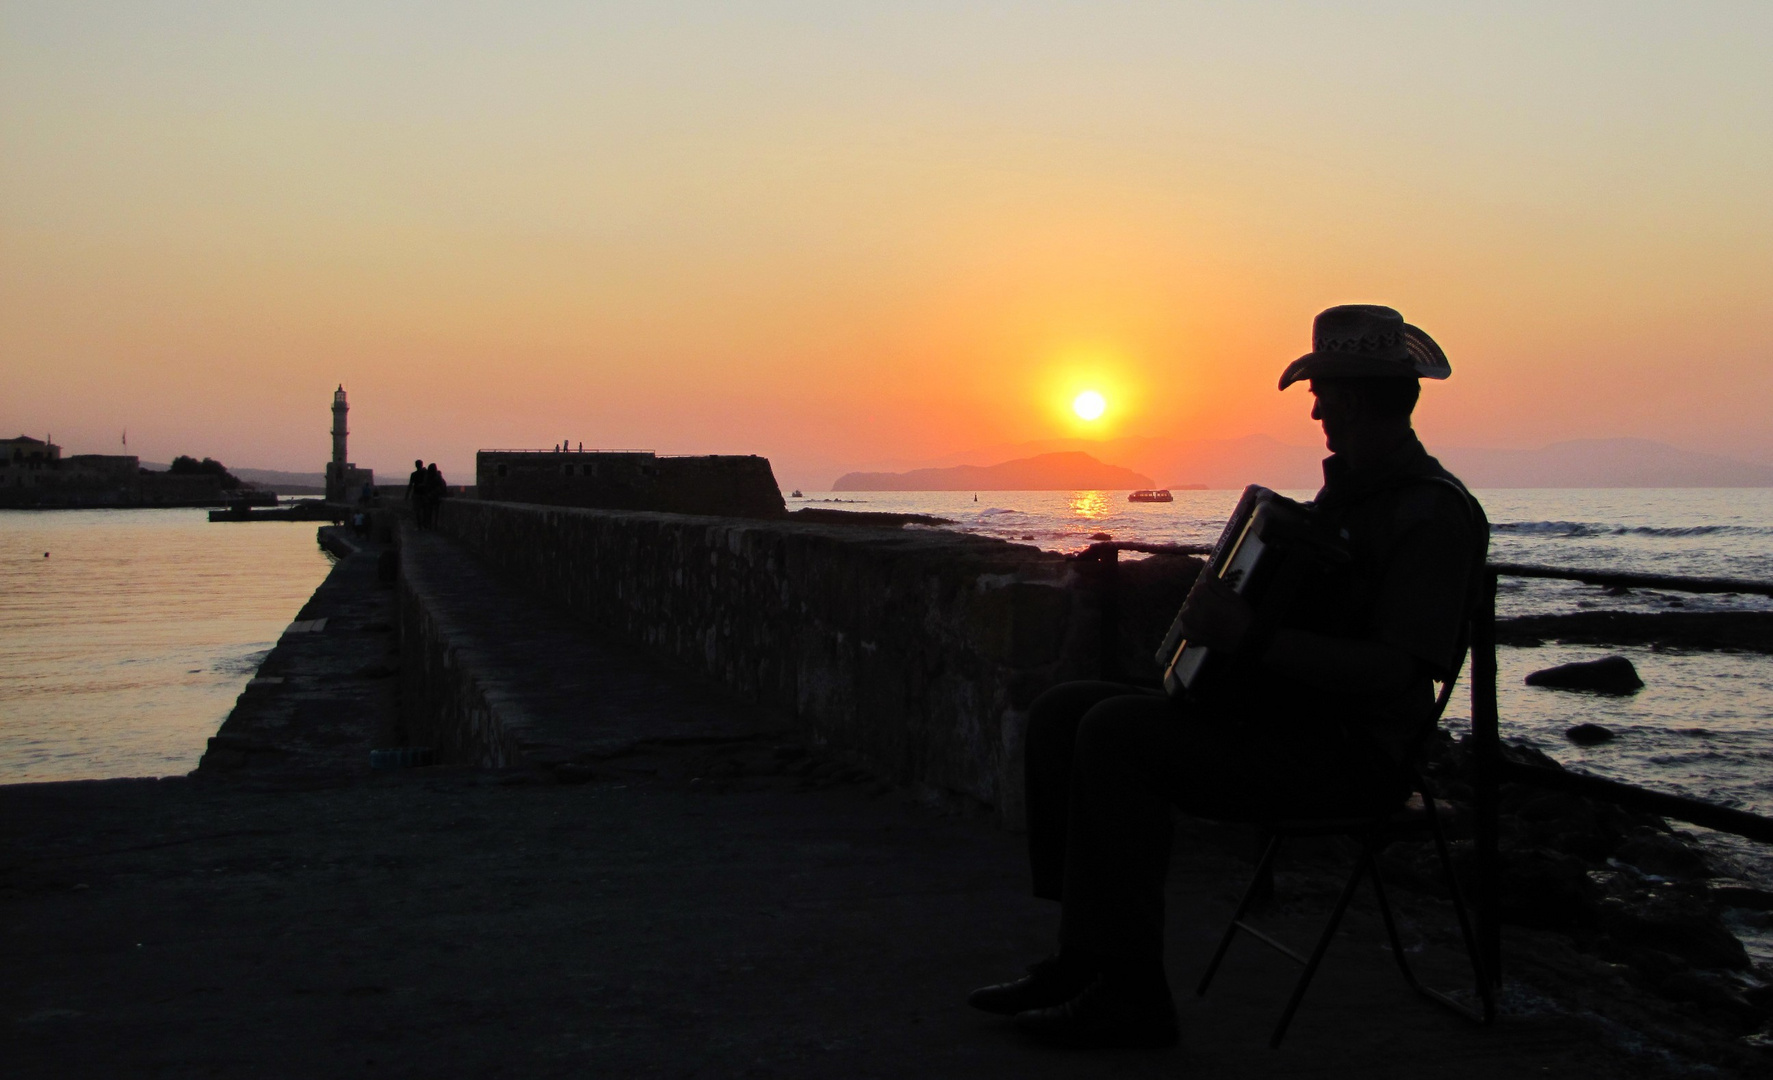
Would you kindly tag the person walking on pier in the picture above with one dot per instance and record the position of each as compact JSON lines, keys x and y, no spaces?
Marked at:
{"x":415,"y":493}
{"x":1314,"y":719}
{"x":435,"y":490}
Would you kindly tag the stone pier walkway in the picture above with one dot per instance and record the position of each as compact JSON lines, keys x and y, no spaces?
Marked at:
{"x":561,"y":695}
{"x":693,"y":909}
{"x":326,"y":693}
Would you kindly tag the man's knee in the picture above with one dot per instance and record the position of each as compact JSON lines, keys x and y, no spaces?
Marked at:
{"x":1124,"y":728}
{"x":1053,"y":716}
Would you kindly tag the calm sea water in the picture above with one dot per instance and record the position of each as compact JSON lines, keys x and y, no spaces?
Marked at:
{"x":1703,"y":725}
{"x":122,"y":651}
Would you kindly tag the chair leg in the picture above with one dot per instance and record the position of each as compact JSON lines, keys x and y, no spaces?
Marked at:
{"x":1317,"y":954}
{"x":1262,"y":876}
{"x":1486,"y":985}
{"x":1397,"y":943}
{"x":1486,"y":991}
{"x":1367,"y":864}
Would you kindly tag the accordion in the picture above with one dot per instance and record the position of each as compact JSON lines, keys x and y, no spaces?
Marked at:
{"x":1272,"y":552}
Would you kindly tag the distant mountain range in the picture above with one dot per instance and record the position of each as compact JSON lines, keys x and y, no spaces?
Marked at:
{"x":1603,"y":463}
{"x":284,"y":483}
{"x":1259,"y":459}
{"x":1069,"y":470}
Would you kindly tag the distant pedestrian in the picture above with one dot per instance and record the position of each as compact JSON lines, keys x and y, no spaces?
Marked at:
{"x":415,"y":493}
{"x":365,"y":499}
{"x":435,"y":490}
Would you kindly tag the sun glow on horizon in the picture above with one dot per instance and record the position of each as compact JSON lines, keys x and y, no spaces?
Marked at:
{"x":1089,"y":405}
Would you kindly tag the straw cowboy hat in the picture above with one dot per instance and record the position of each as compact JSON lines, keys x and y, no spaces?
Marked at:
{"x":1366,"y":341}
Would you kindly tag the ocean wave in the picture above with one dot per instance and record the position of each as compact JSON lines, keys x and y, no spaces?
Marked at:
{"x":998,"y":511}
{"x":1588,"y":528}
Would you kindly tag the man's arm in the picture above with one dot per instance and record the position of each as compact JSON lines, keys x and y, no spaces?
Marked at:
{"x":1219,"y":618}
{"x":1350,"y":666}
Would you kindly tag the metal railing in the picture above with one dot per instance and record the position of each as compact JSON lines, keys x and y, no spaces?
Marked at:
{"x":1103,"y":559}
{"x":1635,"y":581}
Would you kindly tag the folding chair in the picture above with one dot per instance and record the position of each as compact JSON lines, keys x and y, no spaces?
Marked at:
{"x":1373,"y":834}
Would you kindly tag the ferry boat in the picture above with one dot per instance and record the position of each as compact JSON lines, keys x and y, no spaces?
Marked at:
{"x":1159,"y":495}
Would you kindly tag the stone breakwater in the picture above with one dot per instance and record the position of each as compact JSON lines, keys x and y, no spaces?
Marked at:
{"x":917,"y":652}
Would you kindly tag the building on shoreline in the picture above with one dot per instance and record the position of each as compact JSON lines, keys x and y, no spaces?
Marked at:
{"x":25,"y":462}
{"x":35,"y":475}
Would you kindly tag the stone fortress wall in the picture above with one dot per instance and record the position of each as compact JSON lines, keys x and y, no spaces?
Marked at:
{"x":732,"y":485}
{"x":916,"y":651}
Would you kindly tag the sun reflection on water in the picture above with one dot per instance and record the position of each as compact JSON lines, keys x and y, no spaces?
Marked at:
{"x":1090,"y":504}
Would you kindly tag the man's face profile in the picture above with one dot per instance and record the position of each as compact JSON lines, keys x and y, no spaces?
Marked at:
{"x":1337,"y":409}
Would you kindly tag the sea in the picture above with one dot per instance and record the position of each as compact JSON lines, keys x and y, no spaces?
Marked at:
{"x":125,"y":635}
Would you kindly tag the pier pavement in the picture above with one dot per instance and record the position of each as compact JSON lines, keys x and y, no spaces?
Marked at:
{"x":720,"y":907}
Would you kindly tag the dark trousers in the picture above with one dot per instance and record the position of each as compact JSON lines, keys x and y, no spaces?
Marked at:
{"x":1106,"y":762}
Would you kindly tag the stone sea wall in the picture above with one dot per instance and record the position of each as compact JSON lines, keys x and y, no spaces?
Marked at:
{"x":445,"y":702}
{"x":917,"y":651}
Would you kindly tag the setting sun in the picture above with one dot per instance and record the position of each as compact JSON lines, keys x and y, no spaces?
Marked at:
{"x":1089,"y":405}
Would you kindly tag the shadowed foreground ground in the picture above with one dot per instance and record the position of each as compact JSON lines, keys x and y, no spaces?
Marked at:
{"x":455,"y":924}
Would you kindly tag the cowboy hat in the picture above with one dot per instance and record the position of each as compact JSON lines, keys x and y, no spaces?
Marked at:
{"x":1366,"y":341}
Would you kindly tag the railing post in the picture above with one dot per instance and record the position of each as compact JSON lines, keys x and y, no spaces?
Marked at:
{"x":1486,"y":740}
{"x":1108,"y":582}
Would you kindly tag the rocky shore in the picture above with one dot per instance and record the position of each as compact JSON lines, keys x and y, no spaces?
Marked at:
{"x":1642,"y":903}
{"x":1733,"y":631}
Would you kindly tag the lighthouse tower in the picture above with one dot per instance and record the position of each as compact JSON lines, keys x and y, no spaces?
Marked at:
{"x":339,"y":409}
{"x":344,"y":481}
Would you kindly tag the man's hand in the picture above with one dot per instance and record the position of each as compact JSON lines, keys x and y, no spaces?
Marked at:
{"x":1217,"y":617}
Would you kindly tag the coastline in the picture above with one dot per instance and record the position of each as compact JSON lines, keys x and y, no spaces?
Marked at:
{"x":119,"y":502}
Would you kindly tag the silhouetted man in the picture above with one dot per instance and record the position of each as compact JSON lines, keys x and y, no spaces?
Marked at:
{"x":435,"y":490}
{"x":1315,"y":717}
{"x":415,"y":486}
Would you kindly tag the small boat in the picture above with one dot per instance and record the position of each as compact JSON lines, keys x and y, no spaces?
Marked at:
{"x":796,"y":494}
{"x":1160,"y":495}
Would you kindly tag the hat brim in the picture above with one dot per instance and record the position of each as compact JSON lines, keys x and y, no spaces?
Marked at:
{"x":1426,"y":361}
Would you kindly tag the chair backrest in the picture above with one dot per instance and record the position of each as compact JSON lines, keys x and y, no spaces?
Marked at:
{"x":1474,"y":580}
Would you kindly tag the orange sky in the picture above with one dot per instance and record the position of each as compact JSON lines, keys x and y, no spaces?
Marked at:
{"x":849,"y":235}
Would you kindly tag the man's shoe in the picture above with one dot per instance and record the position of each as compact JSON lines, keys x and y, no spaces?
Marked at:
{"x":1105,"y":1016}
{"x":1050,"y":982}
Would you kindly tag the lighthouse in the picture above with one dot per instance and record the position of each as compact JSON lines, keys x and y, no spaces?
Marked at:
{"x":339,"y":409}
{"x":344,"y":481}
